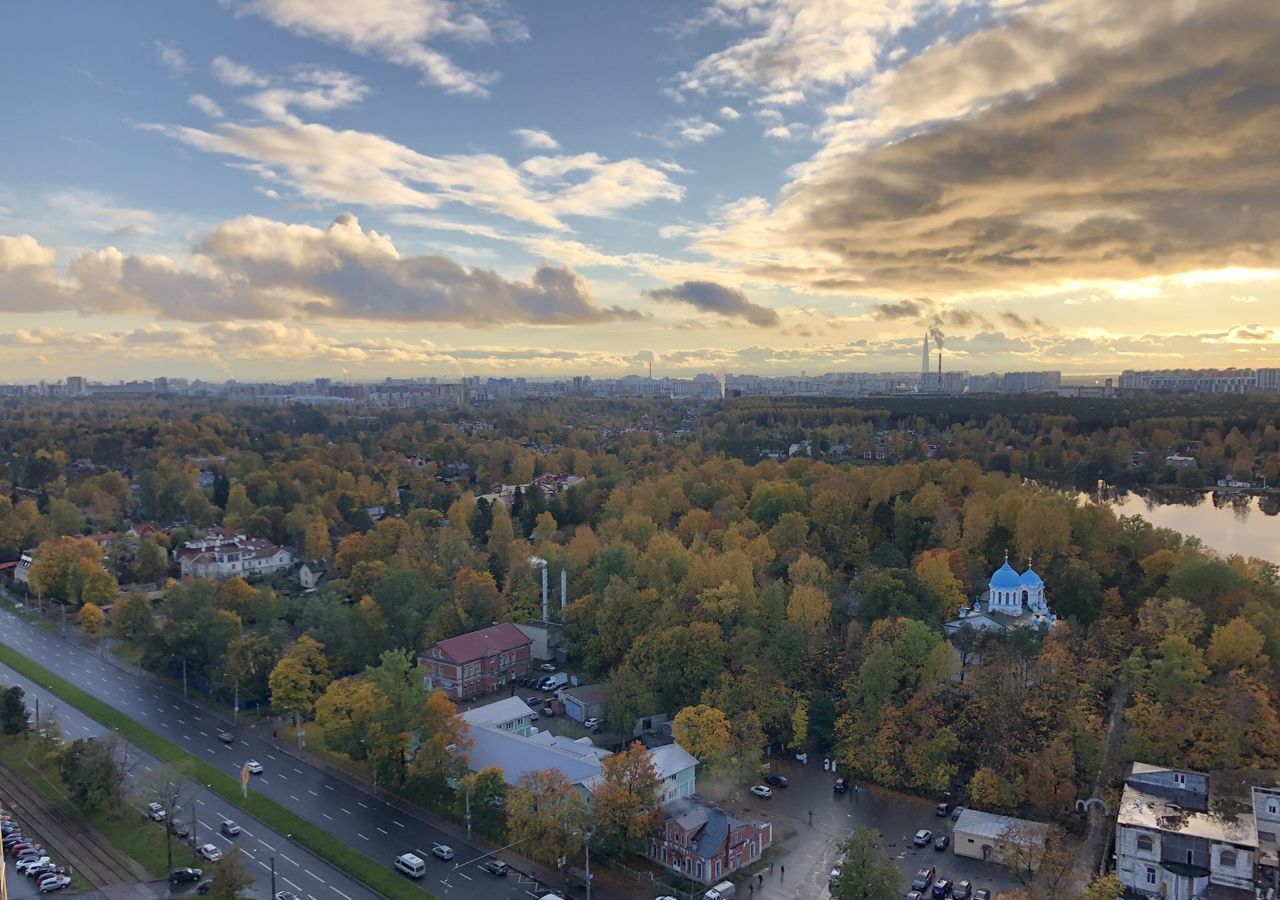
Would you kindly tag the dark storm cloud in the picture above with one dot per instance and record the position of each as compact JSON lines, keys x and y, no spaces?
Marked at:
{"x":710,"y":296}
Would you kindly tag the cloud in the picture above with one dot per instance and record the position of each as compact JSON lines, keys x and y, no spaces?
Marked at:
{"x":697,"y":130}
{"x":313,"y":88}
{"x":729,"y":114}
{"x":534,"y":139}
{"x":709,"y":296}
{"x":793,"y":46}
{"x":902,"y":309}
{"x":206,"y":105}
{"x":252,"y":268}
{"x":324,"y":164}
{"x":399,"y":31}
{"x":171,"y":57}
{"x":1138,"y":150}
{"x":234,"y":74}
{"x":1023,"y":323}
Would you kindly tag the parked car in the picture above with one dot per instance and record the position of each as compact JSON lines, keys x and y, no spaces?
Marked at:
{"x":205,"y":886}
{"x":955,"y":813}
{"x":286,"y":895}
{"x":941,"y":889}
{"x":228,"y":828}
{"x":942,"y":842}
{"x":443,"y":851}
{"x":533,"y":702}
{"x":210,"y":852}
{"x":496,"y":867}
{"x":941,"y":810}
{"x":54,"y":883}
{"x":179,"y":829}
{"x":915,"y":895}
{"x":962,"y":890}
{"x":982,"y":894}
{"x":185,"y":875}
{"x":226,"y":737}
{"x":30,"y":848}
{"x":255,"y":767}
{"x":924,"y":878}
{"x":47,"y":869}
{"x":547,"y":712}
{"x":548,"y":667}
{"x":761,"y":791}
{"x":154,"y":812}
{"x":778,"y":781}
{"x":841,"y":786}
{"x":833,"y":875}
{"x":922,"y":838}
{"x":591,"y":723}
{"x":25,"y":866}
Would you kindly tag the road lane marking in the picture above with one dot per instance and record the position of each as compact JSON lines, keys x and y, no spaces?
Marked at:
{"x":292,"y":884}
{"x":299,"y":771}
{"x":361,"y":836}
{"x":400,"y":824}
{"x":339,"y":893}
{"x":288,"y":860}
{"x":358,"y":803}
{"x":328,"y":787}
{"x":312,"y":793}
{"x":345,"y":811}
{"x":383,"y":830}
{"x":295,"y":798}
{"x":327,"y":816}
{"x":465,"y":875}
{"x":314,"y":875}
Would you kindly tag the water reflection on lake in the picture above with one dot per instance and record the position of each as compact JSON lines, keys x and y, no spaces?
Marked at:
{"x":1227,"y":522}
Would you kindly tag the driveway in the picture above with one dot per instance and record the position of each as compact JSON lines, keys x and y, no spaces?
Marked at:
{"x":808,"y":851}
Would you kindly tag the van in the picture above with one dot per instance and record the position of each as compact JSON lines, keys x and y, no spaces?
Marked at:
{"x":411,"y":865}
{"x":553,"y":682}
{"x":722,"y":891}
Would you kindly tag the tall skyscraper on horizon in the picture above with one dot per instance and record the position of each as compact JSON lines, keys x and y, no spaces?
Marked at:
{"x":924,"y":359}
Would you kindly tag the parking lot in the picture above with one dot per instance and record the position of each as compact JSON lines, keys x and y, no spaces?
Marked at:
{"x":808,"y":851}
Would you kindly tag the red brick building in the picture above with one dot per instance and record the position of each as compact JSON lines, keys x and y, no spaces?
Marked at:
{"x":706,"y":844}
{"x":473,"y":664}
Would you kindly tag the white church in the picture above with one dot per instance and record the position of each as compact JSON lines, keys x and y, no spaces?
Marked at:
{"x":1011,"y":600}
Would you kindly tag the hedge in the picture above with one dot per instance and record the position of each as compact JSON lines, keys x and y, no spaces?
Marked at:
{"x":374,"y":875}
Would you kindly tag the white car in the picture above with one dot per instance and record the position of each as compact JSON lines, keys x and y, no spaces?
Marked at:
{"x":210,"y":852}
{"x":591,"y":723}
{"x":444,"y":851}
{"x":255,"y":767}
{"x":286,"y":895}
{"x":761,"y":791}
{"x":548,"y":667}
{"x":32,"y":862}
{"x":154,"y":812}
{"x":54,"y":883}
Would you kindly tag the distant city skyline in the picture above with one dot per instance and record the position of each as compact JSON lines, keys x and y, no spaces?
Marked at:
{"x":299,"y":188}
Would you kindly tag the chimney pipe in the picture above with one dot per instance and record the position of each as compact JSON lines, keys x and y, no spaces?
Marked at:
{"x":544,"y":594}
{"x":939,"y":364}
{"x":564,"y":590}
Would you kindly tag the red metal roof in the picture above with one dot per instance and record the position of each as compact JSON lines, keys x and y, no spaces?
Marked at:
{"x":479,"y":644}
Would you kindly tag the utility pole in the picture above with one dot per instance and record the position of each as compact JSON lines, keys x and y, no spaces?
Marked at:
{"x":586,"y":846}
{"x":235,"y":709}
{"x":273,"y":878}
{"x":468,"y":814}
{"x":184,"y":678}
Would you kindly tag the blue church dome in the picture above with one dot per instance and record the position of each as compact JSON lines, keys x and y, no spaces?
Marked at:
{"x":1005,"y":578}
{"x":1031,"y":579}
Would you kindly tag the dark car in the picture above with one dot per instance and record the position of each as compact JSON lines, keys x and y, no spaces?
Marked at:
{"x":179,"y":829}
{"x":982,"y":894}
{"x":496,"y":867}
{"x":942,"y":842}
{"x":962,"y":891}
{"x":923,"y":879}
{"x":226,"y":737}
{"x":941,"y":889}
{"x":205,"y":886}
{"x":778,"y":781}
{"x":185,"y":875}
{"x":229,"y":828}
{"x":840,"y":786}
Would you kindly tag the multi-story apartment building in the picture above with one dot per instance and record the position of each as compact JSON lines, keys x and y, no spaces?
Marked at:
{"x":224,"y":554}
{"x":473,"y":664}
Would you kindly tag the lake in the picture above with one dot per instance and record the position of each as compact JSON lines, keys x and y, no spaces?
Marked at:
{"x":1227,"y":522}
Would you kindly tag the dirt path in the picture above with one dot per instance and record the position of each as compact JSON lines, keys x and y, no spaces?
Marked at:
{"x":1092,"y":855}
{"x":73,"y":842}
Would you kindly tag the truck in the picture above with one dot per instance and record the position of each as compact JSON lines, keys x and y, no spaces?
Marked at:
{"x":722,"y":891}
{"x":553,"y":682}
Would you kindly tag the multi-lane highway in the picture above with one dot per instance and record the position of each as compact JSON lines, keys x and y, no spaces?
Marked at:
{"x":351,"y":814}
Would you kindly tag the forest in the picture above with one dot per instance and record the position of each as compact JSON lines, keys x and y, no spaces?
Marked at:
{"x":766,"y":604}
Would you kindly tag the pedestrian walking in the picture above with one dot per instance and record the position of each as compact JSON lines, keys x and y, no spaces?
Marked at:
{"x":751,"y":890}
{"x":760,"y":878}
{"x":783,"y":870}
{"x":771,"y":867}
{"x":810,"y":818}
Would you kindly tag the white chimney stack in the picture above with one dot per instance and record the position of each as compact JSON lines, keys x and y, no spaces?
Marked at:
{"x":544,"y":593}
{"x":564,"y":591}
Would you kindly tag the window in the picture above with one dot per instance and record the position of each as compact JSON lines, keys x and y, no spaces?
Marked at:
{"x":1145,"y":843}
{"x":1273,"y":807}
{"x":1179,"y":779}
{"x":1228,"y":858}
{"x":1151,"y":875}
{"x":1191,"y":857}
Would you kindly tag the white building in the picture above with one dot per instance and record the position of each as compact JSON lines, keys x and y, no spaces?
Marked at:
{"x":1170,"y":843}
{"x":222,"y":554}
{"x":1011,"y":600}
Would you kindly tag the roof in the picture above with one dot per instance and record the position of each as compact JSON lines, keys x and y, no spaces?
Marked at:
{"x":587,"y":694}
{"x":516,"y":756}
{"x":1139,"y":809}
{"x":1006,"y":578}
{"x":709,"y":825}
{"x":1030,"y":578}
{"x":478,"y":644}
{"x":498,"y":713}
{"x":671,"y":759}
{"x":991,"y":825}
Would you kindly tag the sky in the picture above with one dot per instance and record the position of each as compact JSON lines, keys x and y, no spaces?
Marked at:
{"x":398,"y":188}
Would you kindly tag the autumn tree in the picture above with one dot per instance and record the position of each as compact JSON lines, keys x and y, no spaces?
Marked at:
{"x":230,"y":876}
{"x":91,"y":619}
{"x":1234,"y":645}
{"x":625,"y":800}
{"x":298,"y":679}
{"x":345,"y":711}
{"x":442,"y":751}
{"x":483,"y":796}
{"x":545,"y":813}
{"x":61,"y":567}
{"x":809,"y":607}
{"x":866,"y":873}
{"x":704,"y":732}
{"x":151,"y":562}
{"x":316,"y":543}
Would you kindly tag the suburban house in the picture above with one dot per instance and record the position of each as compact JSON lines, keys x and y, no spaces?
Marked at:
{"x":476,"y":663}
{"x":22,"y":574}
{"x":1266,"y":814}
{"x":313,"y":572}
{"x":583,"y":702}
{"x":704,"y":843}
{"x":512,"y":715}
{"x":1011,"y":600}
{"x":224,"y":554}
{"x":1170,"y":843}
{"x":1018,"y":843}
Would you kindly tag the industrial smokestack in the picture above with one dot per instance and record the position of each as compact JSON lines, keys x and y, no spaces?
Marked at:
{"x":564,"y":590}
{"x":939,"y":365}
{"x":544,"y":593}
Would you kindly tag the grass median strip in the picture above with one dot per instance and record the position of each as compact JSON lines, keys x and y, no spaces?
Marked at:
{"x":374,"y":874}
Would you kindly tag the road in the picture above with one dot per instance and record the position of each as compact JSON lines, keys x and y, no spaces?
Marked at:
{"x":354,"y":816}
